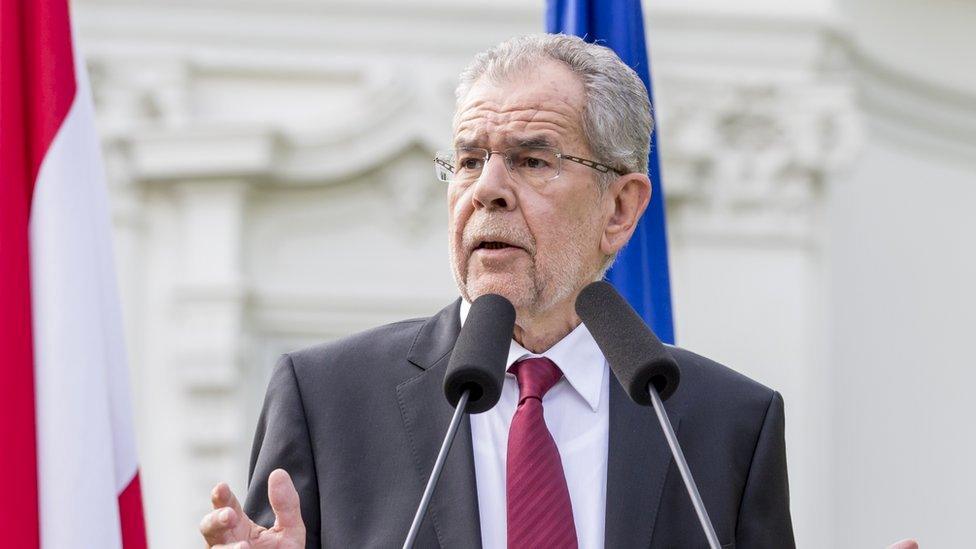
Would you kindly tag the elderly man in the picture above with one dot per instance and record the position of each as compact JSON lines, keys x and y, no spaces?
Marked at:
{"x":546,"y":181}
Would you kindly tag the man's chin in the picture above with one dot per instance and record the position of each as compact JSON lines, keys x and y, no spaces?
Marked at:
{"x":517,"y":291}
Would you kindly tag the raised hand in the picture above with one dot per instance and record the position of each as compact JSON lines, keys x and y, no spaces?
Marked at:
{"x":227,"y":527}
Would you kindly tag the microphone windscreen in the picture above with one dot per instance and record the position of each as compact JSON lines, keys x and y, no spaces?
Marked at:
{"x":480,"y":354}
{"x":636,"y":356}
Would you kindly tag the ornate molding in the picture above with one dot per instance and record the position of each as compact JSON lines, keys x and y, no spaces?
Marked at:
{"x":146,"y":119}
{"x":750,"y":158}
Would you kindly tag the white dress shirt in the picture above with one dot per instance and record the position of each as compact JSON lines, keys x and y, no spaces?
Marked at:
{"x":577,"y":412}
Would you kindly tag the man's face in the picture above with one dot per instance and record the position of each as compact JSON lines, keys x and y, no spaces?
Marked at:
{"x":551,"y":233}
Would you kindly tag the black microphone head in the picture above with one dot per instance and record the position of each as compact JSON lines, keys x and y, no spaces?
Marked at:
{"x":478,"y":361}
{"x":636,"y":356}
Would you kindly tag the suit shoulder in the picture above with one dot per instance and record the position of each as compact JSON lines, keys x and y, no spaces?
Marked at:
{"x":704,"y":380}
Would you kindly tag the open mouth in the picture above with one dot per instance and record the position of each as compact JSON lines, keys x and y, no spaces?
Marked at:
{"x":493,"y":245}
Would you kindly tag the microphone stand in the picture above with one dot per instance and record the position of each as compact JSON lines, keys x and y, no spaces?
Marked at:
{"x":438,"y":466}
{"x":679,"y":459}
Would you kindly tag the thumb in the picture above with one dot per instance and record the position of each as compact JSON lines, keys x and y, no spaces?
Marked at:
{"x":284,"y":500}
{"x":904,"y":544}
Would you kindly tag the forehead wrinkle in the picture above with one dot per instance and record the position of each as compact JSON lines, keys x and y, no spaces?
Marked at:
{"x":483,"y":121}
{"x":559,"y":109}
{"x":535,"y":137}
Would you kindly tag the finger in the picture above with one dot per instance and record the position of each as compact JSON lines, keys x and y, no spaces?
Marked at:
{"x":284,"y":500}
{"x":222,"y":496}
{"x":904,"y":544}
{"x":218,"y":525}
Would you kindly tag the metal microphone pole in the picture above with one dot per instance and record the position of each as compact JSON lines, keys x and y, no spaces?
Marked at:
{"x":438,"y":466}
{"x":679,"y":459}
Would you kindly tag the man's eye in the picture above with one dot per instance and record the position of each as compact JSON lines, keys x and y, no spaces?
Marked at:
{"x":533,"y":162}
{"x":470,"y":163}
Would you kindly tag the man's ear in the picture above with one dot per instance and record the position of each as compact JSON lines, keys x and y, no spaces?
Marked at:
{"x":627,"y":198}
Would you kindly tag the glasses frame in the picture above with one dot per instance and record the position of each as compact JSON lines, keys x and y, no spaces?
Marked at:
{"x":593,"y":164}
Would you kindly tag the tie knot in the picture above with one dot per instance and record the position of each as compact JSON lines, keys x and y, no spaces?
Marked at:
{"x":535,"y":377}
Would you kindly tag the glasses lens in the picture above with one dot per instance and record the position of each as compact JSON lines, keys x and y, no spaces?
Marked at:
{"x":534,"y":164}
{"x":470,"y":163}
{"x":444,"y":166}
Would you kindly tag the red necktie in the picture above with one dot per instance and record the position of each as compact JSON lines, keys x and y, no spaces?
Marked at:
{"x":540,"y":513}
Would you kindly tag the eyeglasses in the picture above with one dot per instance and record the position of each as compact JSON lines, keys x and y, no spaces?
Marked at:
{"x":533,"y":165}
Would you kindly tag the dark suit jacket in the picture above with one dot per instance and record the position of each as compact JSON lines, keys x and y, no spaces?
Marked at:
{"x":358,"y":422}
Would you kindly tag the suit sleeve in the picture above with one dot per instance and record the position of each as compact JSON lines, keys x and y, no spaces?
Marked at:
{"x":764,"y":514}
{"x":282,"y":441}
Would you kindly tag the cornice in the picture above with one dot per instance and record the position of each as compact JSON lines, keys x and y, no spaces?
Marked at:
{"x":338,"y":25}
{"x":913,"y":111}
{"x":262,"y":154}
{"x":394,"y":28}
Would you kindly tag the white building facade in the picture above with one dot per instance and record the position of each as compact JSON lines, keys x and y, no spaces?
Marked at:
{"x":272,"y":188}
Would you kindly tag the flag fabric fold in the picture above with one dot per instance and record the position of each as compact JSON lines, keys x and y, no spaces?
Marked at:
{"x":68,"y":434}
{"x":641,"y":272}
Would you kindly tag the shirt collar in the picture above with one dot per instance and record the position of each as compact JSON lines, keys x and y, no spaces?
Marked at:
{"x":576,"y":354}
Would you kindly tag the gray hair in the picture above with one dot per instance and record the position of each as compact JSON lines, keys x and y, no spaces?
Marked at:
{"x":616,"y":118}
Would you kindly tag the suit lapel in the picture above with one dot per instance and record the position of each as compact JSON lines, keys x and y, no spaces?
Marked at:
{"x":637,"y":466}
{"x":426,"y":414}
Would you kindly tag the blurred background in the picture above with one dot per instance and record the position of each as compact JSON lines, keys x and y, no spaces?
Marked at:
{"x":272,"y":188}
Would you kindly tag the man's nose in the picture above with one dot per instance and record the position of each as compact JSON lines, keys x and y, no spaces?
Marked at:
{"x":494,"y":190}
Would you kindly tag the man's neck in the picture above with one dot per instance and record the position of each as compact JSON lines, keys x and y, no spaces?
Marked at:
{"x":537,"y":333}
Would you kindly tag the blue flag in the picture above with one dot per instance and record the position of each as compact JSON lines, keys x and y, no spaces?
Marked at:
{"x":641,"y":271}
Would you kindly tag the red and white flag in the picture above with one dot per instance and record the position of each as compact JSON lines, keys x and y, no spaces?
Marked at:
{"x":68,"y":459}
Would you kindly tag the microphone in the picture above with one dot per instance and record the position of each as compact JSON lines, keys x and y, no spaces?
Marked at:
{"x":478,"y":361}
{"x":473,"y":381}
{"x":635,"y":354}
{"x":645,"y":368}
